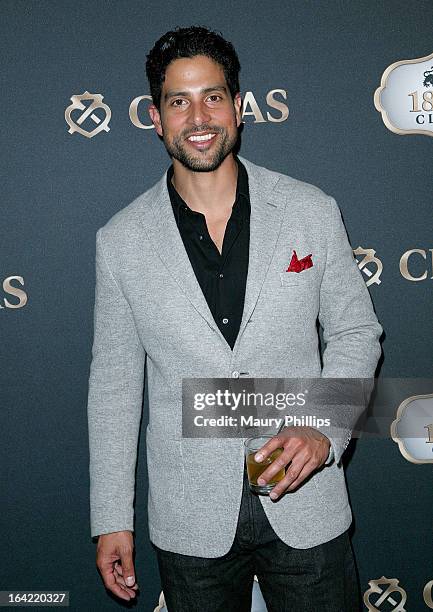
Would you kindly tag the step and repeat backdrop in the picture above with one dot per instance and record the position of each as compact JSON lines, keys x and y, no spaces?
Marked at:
{"x":338,"y":94}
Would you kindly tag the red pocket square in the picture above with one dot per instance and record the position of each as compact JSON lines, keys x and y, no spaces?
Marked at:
{"x":297,"y":265}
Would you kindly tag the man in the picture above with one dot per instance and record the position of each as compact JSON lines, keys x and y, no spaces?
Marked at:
{"x":192,"y":283}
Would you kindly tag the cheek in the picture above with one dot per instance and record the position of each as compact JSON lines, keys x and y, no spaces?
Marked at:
{"x":172,"y":132}
{"x":172,"y":125}
{"x":227,"y":116}
{"x":228,"y":124}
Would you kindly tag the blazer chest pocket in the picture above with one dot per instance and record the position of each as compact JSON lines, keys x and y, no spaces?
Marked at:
{"x":297,"y":279}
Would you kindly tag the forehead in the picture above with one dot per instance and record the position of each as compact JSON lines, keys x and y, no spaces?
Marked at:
{"x":193,"y":72}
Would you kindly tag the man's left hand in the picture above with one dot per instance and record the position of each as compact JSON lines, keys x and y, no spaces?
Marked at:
{"x":305,"y":448}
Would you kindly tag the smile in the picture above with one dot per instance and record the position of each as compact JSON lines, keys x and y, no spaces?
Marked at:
{"x":201,"y":138}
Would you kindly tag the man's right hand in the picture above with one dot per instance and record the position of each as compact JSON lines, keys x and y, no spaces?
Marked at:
{"x":115,"y":564}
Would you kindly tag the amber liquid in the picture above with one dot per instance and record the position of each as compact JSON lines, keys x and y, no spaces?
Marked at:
{"x":255,"y":469}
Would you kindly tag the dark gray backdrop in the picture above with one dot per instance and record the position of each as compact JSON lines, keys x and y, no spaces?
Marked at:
{"x":57,"y":189}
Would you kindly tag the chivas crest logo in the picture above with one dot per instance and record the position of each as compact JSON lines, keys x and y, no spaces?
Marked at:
{"x":76,"y":122}
{"x":365,"y":264}
{"x":381,"y":595}
{"x":405,"y":96}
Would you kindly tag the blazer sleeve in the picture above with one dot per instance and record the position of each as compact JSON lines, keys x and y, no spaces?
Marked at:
{"x":114,"y":404}
{"x":351,"y":330}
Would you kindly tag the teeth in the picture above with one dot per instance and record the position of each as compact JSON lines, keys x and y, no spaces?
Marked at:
{"x":199,"y":138}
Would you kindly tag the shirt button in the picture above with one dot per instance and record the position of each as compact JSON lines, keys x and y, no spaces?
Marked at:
{"x":221,"y":275}
{"x":185,"y":208}
{"x":225,"y":321}
{"x":200,"y":237}
{"x":235,"y":374}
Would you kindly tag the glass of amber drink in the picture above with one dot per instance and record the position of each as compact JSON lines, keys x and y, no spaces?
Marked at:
{"x":255,"y":469}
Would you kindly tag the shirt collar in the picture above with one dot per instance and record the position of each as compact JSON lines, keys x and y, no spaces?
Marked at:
{"x":242,"y":189}
{"x":242,"y":186}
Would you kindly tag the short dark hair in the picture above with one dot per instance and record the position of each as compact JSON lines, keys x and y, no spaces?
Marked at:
{"x":189,"y":42}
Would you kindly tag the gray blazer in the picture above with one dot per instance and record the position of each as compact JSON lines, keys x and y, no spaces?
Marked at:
{"x":150,"y":311}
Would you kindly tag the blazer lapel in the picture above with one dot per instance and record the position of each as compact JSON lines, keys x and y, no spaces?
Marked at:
{"x":267,"y":208}
{"x":267,"y":205}
{"x":161,"y":228}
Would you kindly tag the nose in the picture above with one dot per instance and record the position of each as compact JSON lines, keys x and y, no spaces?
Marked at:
{"x":199,"y":113}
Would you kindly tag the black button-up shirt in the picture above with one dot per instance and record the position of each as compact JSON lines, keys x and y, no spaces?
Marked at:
{"x":222,"y":277}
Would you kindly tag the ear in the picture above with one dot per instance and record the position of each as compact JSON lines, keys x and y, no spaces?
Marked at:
{"x":156,"y":118}
{"x":237,"y":101}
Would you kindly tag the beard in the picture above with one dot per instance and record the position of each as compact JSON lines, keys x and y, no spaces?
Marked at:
{"x":202,"y":161}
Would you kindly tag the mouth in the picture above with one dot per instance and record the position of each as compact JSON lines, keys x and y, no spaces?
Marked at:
{"x":201,"y":141}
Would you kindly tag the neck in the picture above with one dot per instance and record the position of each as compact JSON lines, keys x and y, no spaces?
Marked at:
{"x":211,"y":193}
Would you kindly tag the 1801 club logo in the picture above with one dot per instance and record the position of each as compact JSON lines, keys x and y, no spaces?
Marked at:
{"x":405,"y":96}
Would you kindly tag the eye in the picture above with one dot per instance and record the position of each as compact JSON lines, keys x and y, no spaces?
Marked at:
{"x":177,"y":100}
{"x":215,"y":96}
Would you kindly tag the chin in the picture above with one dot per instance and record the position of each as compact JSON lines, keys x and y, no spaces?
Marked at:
{"x":203,"y":165}
{"x":198,"y":163}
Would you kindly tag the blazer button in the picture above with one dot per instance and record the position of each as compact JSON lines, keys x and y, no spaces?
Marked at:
{"x":235,"y":374}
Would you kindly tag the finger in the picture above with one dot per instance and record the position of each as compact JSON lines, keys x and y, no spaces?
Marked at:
{"x":292,"y":474}
{"x":268,"y":448}
{"x":111,"y":584}
{"x":290,"y":453}
{"x":118,"y":568}
{"x":120,"y":580}
{"x":278,"y":464}
{"x":127,"y":564}
{"x":129,"y":591}
{"x":306,"y":471}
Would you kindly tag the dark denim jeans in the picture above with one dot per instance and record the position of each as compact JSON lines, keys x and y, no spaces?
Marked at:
{"x":291,"y":579}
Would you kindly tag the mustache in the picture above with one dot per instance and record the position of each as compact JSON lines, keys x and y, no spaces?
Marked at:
{"x":206,"y":128}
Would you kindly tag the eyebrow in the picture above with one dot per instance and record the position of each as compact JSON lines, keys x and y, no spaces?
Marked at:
{"x":172,"y":93}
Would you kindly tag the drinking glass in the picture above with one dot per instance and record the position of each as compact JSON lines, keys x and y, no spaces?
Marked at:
{"x":255,"y":469}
